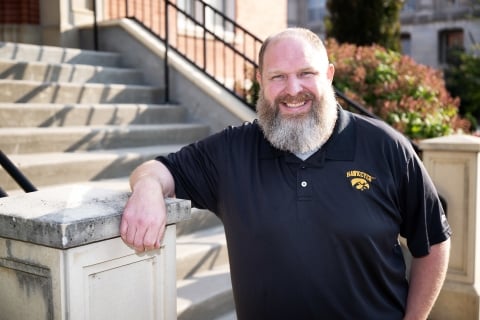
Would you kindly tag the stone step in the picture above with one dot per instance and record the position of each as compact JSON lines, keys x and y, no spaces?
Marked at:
{"x":20,"y":91}
{"x":200,"y":251}
{"x":207,"y":295}
{"x":201,"y":219}
{"x":46,"y":169}
{"x":62,"y":115}
{"x":204,"y":289}
{"x":55,"y":72}
{"x":28,"y":52}
{"x":81,"y":138}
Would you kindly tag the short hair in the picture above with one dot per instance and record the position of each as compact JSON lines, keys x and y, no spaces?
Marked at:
{"x":303,"y":33}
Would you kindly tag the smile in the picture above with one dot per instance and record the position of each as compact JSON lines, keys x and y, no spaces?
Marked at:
{"x":295,"y":105}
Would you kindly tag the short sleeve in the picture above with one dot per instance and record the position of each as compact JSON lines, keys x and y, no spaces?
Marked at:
{"x":424,"y":221}
{"x":194,"y":168}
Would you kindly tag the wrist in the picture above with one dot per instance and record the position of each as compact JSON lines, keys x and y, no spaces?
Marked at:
{"x":146,"y":182}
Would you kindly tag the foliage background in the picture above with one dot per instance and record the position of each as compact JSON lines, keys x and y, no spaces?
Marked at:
{"x":409,"y":96}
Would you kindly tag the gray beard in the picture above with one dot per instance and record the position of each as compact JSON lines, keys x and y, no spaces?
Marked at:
{"x":302,"y":133}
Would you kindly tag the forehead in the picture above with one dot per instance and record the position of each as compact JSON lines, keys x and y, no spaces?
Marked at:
{"x":290,"y":52}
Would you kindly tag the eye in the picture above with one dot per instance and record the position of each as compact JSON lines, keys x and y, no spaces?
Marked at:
{"x":277,"y":77}
{"x":307,"y":74}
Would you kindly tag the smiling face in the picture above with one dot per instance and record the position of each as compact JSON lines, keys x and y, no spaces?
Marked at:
{"x":297,"y":106}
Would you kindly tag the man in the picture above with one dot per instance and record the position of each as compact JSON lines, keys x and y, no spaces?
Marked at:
{"x":312,"y":198}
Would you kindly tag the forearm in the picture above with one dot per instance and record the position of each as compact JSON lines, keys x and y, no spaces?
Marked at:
{"x":152,"y":172}
{"x":426,"y":279}
{"x":144,"y":216}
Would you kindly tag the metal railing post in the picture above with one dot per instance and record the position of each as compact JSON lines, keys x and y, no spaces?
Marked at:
{"x":165,"y":60}
{"x":204,"y":20}
{"x":95,"y":26}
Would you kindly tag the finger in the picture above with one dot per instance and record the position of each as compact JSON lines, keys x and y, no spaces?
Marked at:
{"x":135,"y":239}
{"x":123,"y":230}
{"x":127,"y":233}
{"x":130,"y":235}
{"x":150,"y":239}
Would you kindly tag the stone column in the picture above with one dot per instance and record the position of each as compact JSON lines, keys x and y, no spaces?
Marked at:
{"x":453,"y":163}
{"x":61,"y":258}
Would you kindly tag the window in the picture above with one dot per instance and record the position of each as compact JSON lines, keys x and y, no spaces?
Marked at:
{"x":316,"y":10}
{"x":203,"y":14}
{"x":409,"y":5}
{"x":406,"y":42}
{"x":449,"y":40}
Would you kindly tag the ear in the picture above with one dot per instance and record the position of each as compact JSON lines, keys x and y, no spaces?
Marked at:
{"x":258,"y":76}
{"x":330,"y":72}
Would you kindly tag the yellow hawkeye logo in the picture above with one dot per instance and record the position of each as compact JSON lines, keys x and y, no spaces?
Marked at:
{"x":359,"y":179}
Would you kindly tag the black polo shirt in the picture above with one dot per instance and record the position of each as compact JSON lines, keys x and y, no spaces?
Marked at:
{"x":315,"y":239}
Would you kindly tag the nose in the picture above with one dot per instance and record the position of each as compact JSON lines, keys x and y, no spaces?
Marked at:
{"x":293,"y":86}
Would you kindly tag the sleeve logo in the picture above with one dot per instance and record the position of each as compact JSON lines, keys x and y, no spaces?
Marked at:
{"x":359,"y":179}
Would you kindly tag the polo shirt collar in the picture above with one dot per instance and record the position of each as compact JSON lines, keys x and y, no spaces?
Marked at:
{"x":340,"y":145}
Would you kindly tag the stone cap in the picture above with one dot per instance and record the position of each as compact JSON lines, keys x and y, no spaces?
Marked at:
{"x":456,"y":142}
{"x":70,"y":216}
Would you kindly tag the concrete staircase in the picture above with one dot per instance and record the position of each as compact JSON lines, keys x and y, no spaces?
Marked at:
{"x":76,"y":116}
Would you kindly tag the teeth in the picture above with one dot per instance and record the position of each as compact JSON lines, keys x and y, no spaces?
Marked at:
{"x":295,"y":105}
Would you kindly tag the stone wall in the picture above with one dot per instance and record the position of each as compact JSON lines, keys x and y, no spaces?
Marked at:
{"x":453,"y":164}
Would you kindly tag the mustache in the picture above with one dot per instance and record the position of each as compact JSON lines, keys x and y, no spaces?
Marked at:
{"x":287,"y":98}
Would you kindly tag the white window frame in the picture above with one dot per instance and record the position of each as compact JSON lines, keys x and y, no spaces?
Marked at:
{"x":213,"y":23}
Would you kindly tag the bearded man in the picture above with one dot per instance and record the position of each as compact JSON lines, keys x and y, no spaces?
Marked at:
{"x":313,"y":200}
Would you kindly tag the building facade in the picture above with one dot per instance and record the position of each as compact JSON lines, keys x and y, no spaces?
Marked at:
{"x":55,"y":22}
{"x":429,"y":28}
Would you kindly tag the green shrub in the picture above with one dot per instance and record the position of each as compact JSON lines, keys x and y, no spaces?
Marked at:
{"x":462,"y":77}
{"x":409,"y":96}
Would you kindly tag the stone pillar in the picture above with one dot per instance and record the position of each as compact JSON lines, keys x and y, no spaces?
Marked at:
{"x":61,"y":258}
{"x":453,"y":163}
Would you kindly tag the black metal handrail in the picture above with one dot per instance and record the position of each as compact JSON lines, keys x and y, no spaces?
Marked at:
{"x":201,"y":41}
{"x":16,"y":174}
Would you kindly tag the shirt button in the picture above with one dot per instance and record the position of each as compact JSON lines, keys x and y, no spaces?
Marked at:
{"x":303,"y":184}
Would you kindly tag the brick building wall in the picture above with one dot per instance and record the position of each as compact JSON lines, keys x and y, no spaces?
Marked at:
{"x":19,"y":12}
{"x":262,"y":17}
